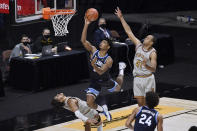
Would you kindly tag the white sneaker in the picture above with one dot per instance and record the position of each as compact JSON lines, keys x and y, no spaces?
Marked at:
{"x":107,"y":113}
{"x":122,"y":65}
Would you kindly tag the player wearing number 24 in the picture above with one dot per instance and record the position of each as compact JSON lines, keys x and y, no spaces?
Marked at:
{"x":146,"y":117}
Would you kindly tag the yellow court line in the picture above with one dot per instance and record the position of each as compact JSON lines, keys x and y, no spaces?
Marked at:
{"x":119,"y":117}
{"x":167,"y":107}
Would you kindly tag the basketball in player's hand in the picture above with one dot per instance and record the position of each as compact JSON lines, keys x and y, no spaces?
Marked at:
{"x":91,"y":14}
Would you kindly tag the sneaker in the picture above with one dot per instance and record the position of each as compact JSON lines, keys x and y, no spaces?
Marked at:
{"x":122,"y":65}
{"x":107,"y":113}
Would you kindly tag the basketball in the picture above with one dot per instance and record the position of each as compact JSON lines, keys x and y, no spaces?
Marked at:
{"x":91,"y":14}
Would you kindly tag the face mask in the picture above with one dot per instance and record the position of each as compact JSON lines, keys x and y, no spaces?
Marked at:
{"x":103,"y":26}
{"x":46,"y":36}
{"x":25,"y":43}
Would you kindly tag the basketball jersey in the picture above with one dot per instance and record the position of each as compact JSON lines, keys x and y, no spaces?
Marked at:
{"x":146,"y":119}
{"x":140,"y":54}
{"x":99,"y":63}
{"x":83,"y":107}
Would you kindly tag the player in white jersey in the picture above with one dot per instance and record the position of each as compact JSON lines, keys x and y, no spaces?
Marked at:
{"x":145,"y":62}
{"x":82,"y":111}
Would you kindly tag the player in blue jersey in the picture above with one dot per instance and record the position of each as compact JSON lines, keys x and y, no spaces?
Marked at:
{"x":101,"y":63}
{"x":146,"y":117}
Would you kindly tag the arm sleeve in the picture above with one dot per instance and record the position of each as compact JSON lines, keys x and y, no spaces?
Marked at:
{"x":80,"y":116}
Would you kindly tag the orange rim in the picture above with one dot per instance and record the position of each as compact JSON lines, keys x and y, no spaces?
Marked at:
{"x":47,"y":12}
{"x":61,"y":12}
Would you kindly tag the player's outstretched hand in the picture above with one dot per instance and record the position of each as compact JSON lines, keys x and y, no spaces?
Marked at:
{"x":118,"y":12}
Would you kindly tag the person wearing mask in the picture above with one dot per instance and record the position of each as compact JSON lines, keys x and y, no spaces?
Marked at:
{"x":22,"y":48}
{"x":102,"y":32}
{"x":44,"y":40}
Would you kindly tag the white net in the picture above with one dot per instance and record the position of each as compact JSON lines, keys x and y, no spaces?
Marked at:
{"x":60,"y":22}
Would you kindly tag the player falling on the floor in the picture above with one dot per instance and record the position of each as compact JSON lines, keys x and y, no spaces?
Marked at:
{"x":145,"y":62}
{"x":101,"y":63}
{"x":146,"y":117}
{"x":82,"y":111}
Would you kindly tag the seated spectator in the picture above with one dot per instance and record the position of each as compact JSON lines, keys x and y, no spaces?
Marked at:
{"x":44,"y":40}
{"x":102,"y":32}
{"x":22,"y":48}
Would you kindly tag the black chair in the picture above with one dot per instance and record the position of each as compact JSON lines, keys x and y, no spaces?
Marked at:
{"x":5,"y":64}
{"x":2,"y":93}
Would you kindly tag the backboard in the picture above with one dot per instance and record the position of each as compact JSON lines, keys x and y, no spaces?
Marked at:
{"x":28,"y":10}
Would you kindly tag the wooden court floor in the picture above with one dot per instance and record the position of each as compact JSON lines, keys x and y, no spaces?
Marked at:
{"x":179,"y":115}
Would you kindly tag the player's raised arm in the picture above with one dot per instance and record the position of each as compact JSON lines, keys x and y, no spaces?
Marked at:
{"x":84,"y":41}
{"x":126,"y":27}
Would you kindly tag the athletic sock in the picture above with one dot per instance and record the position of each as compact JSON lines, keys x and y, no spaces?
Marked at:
{"x":121,"y":72}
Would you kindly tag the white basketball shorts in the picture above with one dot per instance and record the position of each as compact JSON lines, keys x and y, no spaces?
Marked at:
{"x":142,"y":85}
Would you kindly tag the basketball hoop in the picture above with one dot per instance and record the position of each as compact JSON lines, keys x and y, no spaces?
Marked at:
{"x":60,"y":19}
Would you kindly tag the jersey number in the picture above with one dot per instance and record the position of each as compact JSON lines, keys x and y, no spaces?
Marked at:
{"x":144,"y":120}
